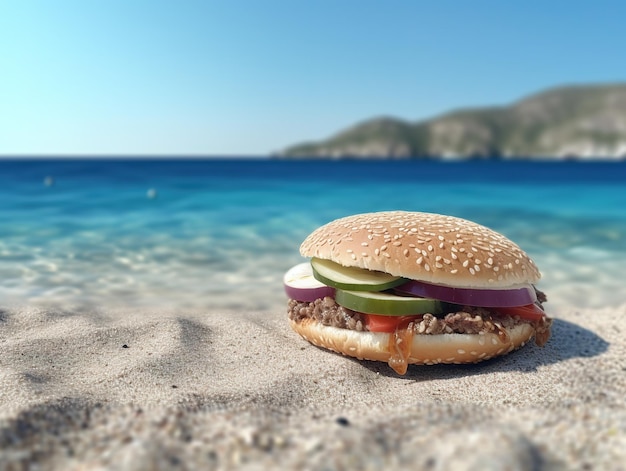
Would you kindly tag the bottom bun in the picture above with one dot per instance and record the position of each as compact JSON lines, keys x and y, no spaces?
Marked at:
{"x":425,"y":349}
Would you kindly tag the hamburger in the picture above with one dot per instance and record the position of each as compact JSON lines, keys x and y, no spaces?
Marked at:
{"x":415,"y":288}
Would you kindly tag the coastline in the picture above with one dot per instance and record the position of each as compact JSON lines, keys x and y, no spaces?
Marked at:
{"x":142,"y":389}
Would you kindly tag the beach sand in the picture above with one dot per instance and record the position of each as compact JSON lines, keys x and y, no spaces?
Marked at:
{"x":131,"y":390}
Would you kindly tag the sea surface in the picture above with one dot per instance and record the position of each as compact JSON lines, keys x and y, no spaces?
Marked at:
{"x":216,"y":235}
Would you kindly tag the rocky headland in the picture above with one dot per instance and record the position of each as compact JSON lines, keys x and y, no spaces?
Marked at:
{"x":572,"y":122}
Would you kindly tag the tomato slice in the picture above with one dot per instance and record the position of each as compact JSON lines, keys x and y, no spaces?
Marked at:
{"x":531,"y":312}
{"x":378,"y":323}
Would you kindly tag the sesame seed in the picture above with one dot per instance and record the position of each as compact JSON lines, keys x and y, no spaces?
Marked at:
{"x":454,"y":271}
{"x":397,"y":244}
{"x":377,"y":251}
{"x":419,"y":260}
{"x":460,"y":351}
{"x":364,"y":244}
{"x":454,"y":256}
{"x":476,"y":267}
{"x":353,"y":256}
{"x":472,"y":271}
{"x":386,"y":255}
{"x":441,"y":245}
{"x":438,"y":265}
{"x":406,"y":252}
{"x":427,"y":267}
{"x":430,"y":248}
{"x":465,"y":263}
{"x":383,"y":248}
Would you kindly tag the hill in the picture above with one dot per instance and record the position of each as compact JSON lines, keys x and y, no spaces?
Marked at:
{"x":566,"y":122}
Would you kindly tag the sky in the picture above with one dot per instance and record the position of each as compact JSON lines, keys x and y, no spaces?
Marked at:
{"x":251,"y":77}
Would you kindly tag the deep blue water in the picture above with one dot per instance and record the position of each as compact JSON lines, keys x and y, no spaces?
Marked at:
{"x":218,"y":234}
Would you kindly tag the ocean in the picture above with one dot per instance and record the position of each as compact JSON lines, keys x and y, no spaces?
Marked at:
{"x":216,"y":235}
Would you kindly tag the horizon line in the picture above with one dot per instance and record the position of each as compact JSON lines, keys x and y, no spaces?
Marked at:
{"x":131,"y":155}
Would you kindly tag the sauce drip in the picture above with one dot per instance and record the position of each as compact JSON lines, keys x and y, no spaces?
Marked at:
{"x":542,"y":331}
{"x":502,"y":334}
{"x":400,"y":342}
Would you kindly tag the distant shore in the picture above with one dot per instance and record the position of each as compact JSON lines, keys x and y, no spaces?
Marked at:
{"x":566,"y":122}
{"x":460,"y":158}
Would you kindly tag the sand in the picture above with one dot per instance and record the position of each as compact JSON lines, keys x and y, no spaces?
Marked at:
{"x":131,"y":390}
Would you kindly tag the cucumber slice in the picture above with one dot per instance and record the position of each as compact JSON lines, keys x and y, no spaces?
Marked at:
{"x":386,"y":304}
{"x":352,"y":278}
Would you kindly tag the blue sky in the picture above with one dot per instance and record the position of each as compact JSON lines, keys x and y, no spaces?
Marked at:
{"x":239,"y":77}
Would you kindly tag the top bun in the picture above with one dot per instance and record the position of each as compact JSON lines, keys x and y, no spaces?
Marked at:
{"x":437,"y":249}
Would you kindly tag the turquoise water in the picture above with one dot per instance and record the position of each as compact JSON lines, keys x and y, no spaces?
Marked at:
{"x":218,"y":234}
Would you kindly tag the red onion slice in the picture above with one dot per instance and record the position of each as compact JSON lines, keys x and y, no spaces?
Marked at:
{"x":518,"y":296}
{"x":302,"y":286}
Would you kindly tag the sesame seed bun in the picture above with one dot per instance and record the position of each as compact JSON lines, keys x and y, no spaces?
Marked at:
{"x":425,"y":349}
{"x":428,"y":247}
